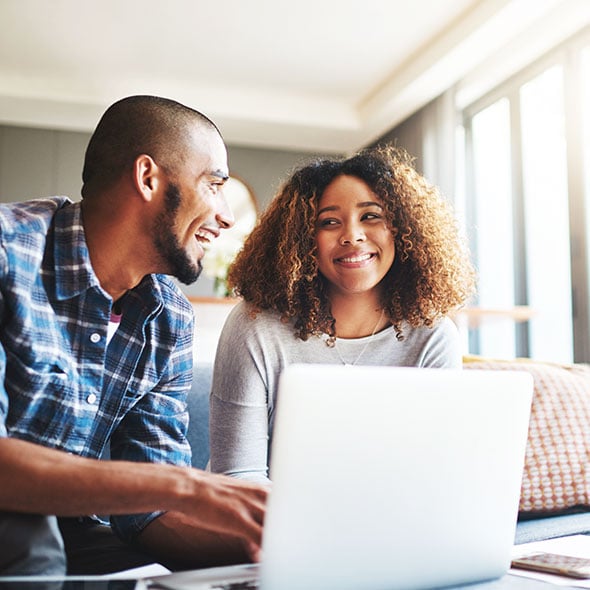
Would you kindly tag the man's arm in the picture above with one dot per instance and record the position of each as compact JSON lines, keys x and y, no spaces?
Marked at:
{"x":208,"y":506}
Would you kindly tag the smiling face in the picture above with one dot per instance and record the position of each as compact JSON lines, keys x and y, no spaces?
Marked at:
{"x":355,"y":247}
{"x":195,"y":209}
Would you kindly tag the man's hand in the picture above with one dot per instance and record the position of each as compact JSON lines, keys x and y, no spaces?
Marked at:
{"x":220,"y":524}
{"x":232,"y":506}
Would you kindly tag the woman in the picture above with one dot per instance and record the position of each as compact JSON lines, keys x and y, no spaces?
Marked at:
{"x":355,"y":261}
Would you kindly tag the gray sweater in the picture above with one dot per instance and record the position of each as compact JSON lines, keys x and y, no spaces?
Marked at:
{"x":251,"y":355}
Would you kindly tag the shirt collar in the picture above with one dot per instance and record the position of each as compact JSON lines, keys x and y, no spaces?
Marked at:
{"x":73,"y":270}
{"x":149,"y":293}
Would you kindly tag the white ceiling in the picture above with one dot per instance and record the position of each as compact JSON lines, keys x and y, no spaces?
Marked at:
{"x":317,"y":75}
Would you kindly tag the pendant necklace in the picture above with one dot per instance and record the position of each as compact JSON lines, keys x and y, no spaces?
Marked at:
{"x":364,"y":347}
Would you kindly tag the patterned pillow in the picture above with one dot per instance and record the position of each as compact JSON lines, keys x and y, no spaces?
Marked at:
{"x":557,"y":464}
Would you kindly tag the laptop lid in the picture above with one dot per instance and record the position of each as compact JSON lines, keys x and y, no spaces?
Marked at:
{"x":389,"y":478}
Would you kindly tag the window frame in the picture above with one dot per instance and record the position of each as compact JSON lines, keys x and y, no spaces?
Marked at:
{"x":569,"y":56}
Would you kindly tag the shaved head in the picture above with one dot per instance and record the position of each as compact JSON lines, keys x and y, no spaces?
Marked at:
{"x":158,"y":127}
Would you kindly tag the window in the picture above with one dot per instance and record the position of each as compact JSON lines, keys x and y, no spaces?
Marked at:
{"x":527,"y":203}
{"x":493,"y":222}
{"x":546,"y":216}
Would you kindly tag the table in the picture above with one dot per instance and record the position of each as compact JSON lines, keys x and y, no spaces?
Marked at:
{"x":507,"y":582}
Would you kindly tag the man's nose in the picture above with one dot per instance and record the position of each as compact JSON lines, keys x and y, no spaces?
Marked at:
{"x":225,"y":217}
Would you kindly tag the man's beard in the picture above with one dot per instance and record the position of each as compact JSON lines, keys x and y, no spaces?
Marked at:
{"x":176,"y":259}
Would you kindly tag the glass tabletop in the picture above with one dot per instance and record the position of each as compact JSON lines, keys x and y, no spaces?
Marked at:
{"x":74,"y":584}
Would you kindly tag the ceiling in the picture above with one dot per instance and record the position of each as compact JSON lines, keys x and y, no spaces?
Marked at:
{"x":314,"y":75}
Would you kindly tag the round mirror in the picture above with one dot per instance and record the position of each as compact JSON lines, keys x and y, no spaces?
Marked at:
{"x":223,"y":250}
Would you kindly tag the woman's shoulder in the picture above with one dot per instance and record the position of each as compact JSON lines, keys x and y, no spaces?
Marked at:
{"x":244,"y":309}
{"x":446,"y":325}
{"x":438,"y":346}
{"x":251,"y":332}
{"x":443,"y":329}
{"x":245,"y":314}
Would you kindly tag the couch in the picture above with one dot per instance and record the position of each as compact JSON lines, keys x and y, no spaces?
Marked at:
{"x":558,"y":449}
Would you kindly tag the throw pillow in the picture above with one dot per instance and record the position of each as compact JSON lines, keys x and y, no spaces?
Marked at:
{"x":557,"y":464}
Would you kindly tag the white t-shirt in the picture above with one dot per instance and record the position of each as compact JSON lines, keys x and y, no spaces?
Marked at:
{"x":114,"y":322}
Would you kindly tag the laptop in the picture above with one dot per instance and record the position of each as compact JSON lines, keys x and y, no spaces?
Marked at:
{"x":387,"y":478}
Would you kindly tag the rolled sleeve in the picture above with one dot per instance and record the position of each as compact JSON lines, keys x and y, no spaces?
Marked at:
{"x":154,"y":431}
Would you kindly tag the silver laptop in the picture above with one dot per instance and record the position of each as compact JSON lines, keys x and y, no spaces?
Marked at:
{"x":387,"y":478}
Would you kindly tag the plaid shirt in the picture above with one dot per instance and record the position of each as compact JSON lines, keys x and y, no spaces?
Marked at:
{"x":62,"y":386}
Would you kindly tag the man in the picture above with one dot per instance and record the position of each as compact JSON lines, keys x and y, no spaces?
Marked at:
{"x":96,"y":352}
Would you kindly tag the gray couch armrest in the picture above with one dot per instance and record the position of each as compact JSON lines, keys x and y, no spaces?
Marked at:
{"x":538,"y":529}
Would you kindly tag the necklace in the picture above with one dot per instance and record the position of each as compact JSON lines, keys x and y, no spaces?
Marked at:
{"x":356,"y":360}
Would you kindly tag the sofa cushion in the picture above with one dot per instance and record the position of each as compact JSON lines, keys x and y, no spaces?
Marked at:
{"x":557,"y":464}
{"x":198,"y":409}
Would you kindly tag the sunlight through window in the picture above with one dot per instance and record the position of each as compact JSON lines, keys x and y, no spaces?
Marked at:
{"x":546,"y":214}
{"x":493,"y":225}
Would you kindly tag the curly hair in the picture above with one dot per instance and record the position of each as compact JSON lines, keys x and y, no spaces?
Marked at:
{"x":431,"y":275}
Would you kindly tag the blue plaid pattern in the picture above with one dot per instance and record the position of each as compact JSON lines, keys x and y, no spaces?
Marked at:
{"x":62,"y":386}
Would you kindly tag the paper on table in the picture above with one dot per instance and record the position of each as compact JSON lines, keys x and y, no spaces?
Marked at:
{"x":574,"y":545}
{"x":153,"y":569}
{"x":144,"y":571}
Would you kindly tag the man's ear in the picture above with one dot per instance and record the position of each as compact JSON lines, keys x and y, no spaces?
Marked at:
{"x":147,"y":176}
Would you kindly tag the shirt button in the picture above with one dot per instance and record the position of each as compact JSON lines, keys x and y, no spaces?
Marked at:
{"x":91,"y":398}
{"x":94,"y":337}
